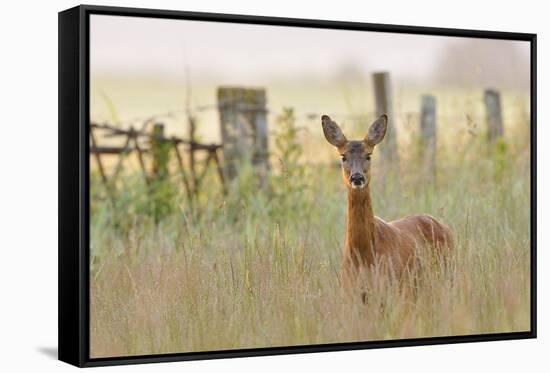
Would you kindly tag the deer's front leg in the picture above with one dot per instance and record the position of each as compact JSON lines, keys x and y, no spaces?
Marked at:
{"x":352,"y":281}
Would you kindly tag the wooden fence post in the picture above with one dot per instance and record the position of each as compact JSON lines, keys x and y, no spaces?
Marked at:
{"x":160,"y":152}
{"x":192,"y":149}
{"x":243,"y":121}
{"x":428,"y":133}
{"x":494,"y":114}
{"x":384,"y":105}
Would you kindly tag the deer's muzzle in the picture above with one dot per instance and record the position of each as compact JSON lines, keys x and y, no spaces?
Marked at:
{"x":357,"y":180}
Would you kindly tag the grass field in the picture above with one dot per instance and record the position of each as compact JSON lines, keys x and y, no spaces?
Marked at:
{"x":260,"y":267}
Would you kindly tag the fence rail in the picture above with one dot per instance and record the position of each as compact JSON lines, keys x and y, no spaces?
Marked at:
{"x":156,"y":142}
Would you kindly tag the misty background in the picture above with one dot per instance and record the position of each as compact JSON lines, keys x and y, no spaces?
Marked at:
{"x":144,"y":66}
{"x":256,"y":53}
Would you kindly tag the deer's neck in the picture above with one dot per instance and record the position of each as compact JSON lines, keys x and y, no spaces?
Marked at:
{"x":360,"y":226}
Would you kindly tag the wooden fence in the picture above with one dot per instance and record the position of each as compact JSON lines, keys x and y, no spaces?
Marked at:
{"x":156,"y":153}
{"x":244,"y":132}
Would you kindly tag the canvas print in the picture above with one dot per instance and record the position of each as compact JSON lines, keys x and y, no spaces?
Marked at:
{"x":257,"y":186}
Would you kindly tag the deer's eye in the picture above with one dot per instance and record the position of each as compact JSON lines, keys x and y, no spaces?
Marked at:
{"x":344,"y":158}
{"x":368,"y":157}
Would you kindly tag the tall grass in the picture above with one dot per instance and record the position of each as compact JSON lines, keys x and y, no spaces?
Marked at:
{"x":259,"y":267}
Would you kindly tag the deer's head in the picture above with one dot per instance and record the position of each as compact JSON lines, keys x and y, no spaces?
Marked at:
{"x":356,"y":154}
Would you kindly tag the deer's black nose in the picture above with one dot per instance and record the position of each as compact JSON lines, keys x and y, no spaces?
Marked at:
{"x":357,"y":179}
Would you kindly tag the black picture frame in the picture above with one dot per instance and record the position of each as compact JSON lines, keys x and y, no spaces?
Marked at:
{"x":74,"y":119}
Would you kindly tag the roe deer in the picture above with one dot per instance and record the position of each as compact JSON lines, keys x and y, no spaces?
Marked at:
{"x":369,"y":238}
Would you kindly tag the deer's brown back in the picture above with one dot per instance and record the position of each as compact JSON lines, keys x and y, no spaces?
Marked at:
{"x":399,"y":239}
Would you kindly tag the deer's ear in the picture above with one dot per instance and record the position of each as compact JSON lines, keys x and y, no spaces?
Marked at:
{"x":332,"y":132}
{"x":377,"y":130}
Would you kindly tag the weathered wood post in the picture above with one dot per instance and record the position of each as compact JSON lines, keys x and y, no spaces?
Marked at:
{"x":243,"y":121}
{"x":493,"y":111}
{"x":428,"y":133}
{"x":161,"y":192}
{"x":160,"y":151}
{"x":384,"y":105}
{"x":192,"y":149}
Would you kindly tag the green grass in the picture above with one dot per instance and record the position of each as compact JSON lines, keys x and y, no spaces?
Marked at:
{"x":260,"y":268}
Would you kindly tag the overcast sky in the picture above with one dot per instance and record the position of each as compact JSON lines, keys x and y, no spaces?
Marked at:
{"x":209,"y":49}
